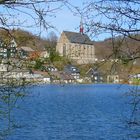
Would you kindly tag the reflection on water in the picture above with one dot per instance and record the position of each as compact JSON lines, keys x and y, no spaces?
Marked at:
{"x":72,"y":112}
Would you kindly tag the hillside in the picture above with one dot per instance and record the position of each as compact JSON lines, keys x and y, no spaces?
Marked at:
{"x":120,"y":46}
{"x":24,"y":38}
{"x":103,"y":49}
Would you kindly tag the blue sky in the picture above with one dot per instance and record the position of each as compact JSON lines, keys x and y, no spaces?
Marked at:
{"x":64,"y":19}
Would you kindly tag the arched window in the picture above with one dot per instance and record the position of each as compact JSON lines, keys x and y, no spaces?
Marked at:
{"x":64,"y":50}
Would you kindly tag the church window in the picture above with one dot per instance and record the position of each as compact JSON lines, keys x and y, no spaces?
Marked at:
{"x":64,"y":50}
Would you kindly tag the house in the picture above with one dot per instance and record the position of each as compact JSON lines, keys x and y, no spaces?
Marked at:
{"x":72,"y":70}
{"x":16,"y":73}
{"x":67,"y":78}
{"x":95,"y":75}
{"x":61,"y":77}
{"x":44,"y":76}
{"x":12,"y":48}
{"x":5,"y":68}
{"x":113,"y":78}
{"x":25,"y":52}
{"x":48,"y":68}
{"x":134,"y":78}
{"x":25,"y":75}
{"x":8,"y":50}
{"x":55,"y":77}
{"x":3,"y":50}
{"x":77,"y":47}
{"x":44,"y":54}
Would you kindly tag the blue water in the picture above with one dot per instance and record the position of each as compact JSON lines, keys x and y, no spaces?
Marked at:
{"x":72,"y":112}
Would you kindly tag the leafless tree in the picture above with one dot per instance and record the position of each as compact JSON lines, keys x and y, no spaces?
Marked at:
{"x":36,"y":14}
{"x":112,"y":17}
{"x":30,"y":15}
{"x":10,"y":94}
{"x":119,"y":19}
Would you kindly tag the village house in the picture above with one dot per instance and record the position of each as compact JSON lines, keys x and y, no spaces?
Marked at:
{"x":48,"y":68}
{"x":61,"y":77}
{"x":134,"y":78}
{"x":25,"y":52}
{"x":44,"y":54}
{"x":67,"y":78}
{"x":72,"y":70}
{"x":8,"y":50}
{"x":4,"y":69}
{"x":12,"y":48}
{"x":95,"y":76}
{"x":42,"y":76}
{"x":113,"y":78}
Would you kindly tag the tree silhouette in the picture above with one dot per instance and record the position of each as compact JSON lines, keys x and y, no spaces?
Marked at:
{"x":28,"y":14}
{"x":120,"y":19}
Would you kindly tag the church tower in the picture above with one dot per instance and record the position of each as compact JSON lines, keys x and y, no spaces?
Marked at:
{"x":81,"y":27}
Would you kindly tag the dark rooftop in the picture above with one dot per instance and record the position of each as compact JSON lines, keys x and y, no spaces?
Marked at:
{"x":78,"y":38}
{"x":71,"y":69}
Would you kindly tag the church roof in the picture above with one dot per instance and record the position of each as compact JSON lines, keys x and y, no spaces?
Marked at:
{"x":79,"y":38}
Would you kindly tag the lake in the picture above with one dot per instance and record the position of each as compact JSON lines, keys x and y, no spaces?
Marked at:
{"x":73,"y":112}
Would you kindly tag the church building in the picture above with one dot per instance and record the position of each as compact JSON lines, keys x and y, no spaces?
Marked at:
{"x":76,"y":46}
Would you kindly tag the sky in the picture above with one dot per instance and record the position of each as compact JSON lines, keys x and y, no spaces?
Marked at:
{"x":64,"y":19}
{"x":71,"y":21}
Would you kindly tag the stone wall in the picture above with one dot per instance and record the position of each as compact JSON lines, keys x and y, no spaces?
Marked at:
{"x":81,"y":53}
